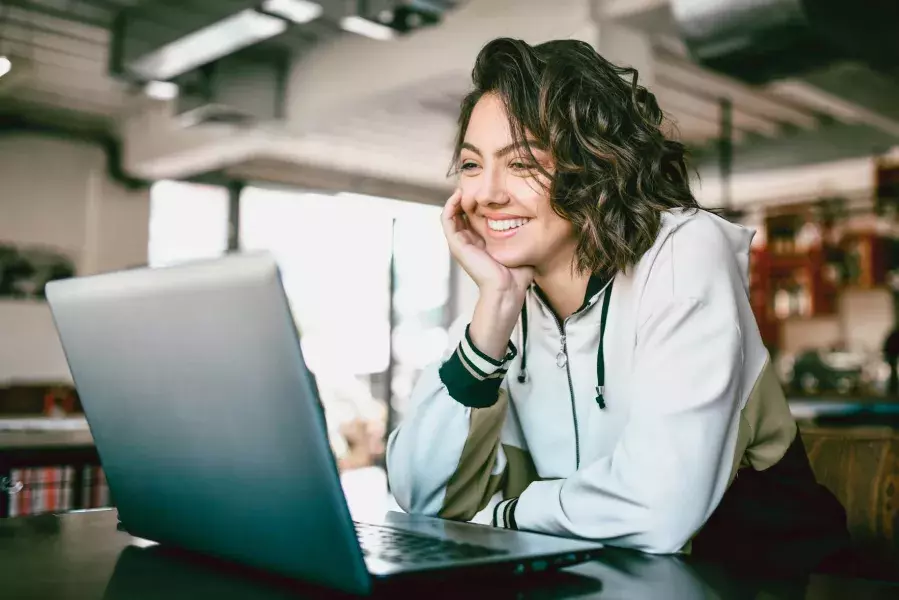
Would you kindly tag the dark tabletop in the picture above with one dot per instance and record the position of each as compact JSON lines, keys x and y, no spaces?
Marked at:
{"x":83,"y":556}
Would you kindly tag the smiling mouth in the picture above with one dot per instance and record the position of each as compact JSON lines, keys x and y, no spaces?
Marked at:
{"x":505,"y":224}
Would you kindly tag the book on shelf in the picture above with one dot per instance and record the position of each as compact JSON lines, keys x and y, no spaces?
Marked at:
{"x":51,"y":489}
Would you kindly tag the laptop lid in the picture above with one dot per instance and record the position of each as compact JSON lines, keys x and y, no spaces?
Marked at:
{"x":206,"y":419}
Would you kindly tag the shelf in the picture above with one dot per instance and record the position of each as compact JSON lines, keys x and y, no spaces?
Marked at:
{"x":790,"y":262}
{"x":832,"y":317}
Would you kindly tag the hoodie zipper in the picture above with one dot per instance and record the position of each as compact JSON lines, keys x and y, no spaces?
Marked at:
{"x":564,"y":353}
{"x":577,"y":436}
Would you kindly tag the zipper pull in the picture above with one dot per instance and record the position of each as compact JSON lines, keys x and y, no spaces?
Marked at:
{"x":562,"y":356}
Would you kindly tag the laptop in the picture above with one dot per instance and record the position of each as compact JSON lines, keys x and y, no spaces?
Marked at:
{"x":213,"y":438}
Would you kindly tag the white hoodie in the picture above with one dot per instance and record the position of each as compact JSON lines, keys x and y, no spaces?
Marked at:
{"x":688,"y":400}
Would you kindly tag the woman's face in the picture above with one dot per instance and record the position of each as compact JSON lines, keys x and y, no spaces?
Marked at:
{"x":503,"y":196}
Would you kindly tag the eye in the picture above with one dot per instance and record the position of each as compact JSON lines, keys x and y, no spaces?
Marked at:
{"x":468,"y":166}
{"x":522,"y":165}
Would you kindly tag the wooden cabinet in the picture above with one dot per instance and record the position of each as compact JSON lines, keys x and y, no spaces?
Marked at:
{"x":759,"y":294}
{"x":813,"y":253}
{"x":784,"y":286}
{"x":866,"y":259}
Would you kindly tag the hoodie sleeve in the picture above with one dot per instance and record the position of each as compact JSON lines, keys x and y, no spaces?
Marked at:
{"x":670,"y":467}
{"x":445,"y":459}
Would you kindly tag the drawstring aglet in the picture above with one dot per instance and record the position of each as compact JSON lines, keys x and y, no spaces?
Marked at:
{"x":600,"y":396}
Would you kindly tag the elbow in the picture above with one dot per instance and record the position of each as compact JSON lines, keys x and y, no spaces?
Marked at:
{"x":409,"y":492}
{"x":399,"y":479}
{"x":399,"y":489}
{"x":405,"y":493}
{"x":667,"y":530}
{"x":662,"y":542}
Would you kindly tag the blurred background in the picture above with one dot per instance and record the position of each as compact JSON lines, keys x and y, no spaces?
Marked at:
{"x":137,"y":132}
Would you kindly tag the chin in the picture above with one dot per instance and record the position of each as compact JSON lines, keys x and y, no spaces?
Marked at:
{"x":510,"y":259}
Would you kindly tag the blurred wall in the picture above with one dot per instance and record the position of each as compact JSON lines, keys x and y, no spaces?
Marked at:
{"x":56,"y":193}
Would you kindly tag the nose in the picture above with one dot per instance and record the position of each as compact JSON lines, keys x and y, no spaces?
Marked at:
{"x":490,"y":190}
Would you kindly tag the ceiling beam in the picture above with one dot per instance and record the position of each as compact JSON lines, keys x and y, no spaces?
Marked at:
{"x":323,"y":179}
{"x":702,"y":106}
{"x":62,"y":15}
{"x":840,"y":109}
{"x":77,"y":64}
{"x":621,"y":9}
{"x":61,"y":26}
{"x":676,"y":72}
{"x":41,"y":98}
{"x":18,"y":35}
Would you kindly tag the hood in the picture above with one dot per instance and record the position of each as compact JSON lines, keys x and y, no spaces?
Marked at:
{"x":739,"y":238}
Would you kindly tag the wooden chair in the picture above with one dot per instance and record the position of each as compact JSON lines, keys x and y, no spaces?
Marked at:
{"x":860,"y":465}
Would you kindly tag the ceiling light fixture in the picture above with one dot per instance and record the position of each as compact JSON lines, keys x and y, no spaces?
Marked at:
{"x":161,"y":90}
{"x":364,"y":27}
{"x":208,"y":44}
{"x":5,"y":66}
{"x":298,"y":11}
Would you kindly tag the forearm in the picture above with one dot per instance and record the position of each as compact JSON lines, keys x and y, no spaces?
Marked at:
{"x":495,"y":316}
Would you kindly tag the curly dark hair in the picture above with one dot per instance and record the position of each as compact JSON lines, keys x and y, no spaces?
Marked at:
{"x":614,"y":170}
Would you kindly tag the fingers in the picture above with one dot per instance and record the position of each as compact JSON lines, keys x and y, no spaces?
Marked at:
{"x":452,"y":213}
{"x":453,"y":205}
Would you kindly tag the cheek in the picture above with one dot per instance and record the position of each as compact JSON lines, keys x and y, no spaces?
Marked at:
{"x":555,"y":230}
{"x":528,"y":193}
{"x":563,"y":227}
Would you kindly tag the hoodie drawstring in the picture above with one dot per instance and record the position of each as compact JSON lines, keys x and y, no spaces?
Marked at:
{"x":600,"y":358}
{"x":523,"y":375}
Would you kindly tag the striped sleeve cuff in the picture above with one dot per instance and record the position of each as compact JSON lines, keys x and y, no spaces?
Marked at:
{"x":471,"y":377}
{"x":504,"y":514}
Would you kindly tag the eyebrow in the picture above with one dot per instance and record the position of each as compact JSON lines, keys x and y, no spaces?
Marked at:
{"x":533,"y":144}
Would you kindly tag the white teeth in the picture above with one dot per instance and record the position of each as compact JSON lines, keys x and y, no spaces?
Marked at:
{"x":505,"y":224}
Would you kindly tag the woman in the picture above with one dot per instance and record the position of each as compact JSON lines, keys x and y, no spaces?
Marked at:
{"x":611,"y":383}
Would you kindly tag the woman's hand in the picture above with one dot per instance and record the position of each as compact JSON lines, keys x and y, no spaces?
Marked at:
{"x":469,"y":249}
{"x":501,"y":289}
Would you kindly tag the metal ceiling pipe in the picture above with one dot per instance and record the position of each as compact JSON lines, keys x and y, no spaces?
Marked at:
{"x":762,"y":40}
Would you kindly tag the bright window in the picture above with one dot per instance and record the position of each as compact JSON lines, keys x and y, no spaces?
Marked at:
{"x":188,"y":221}
{"x":334,"y":258}
{"x":334,"y":255}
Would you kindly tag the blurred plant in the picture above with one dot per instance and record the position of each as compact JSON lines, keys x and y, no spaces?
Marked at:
{"x":830,"y":210}
{"x":24,"y":273}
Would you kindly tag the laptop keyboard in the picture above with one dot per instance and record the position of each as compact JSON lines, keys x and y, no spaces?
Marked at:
{"x":398,"y":546}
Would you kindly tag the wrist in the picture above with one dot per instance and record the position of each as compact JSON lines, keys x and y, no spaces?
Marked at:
{"x":501,"y":302}
{"x":494,"y":319}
